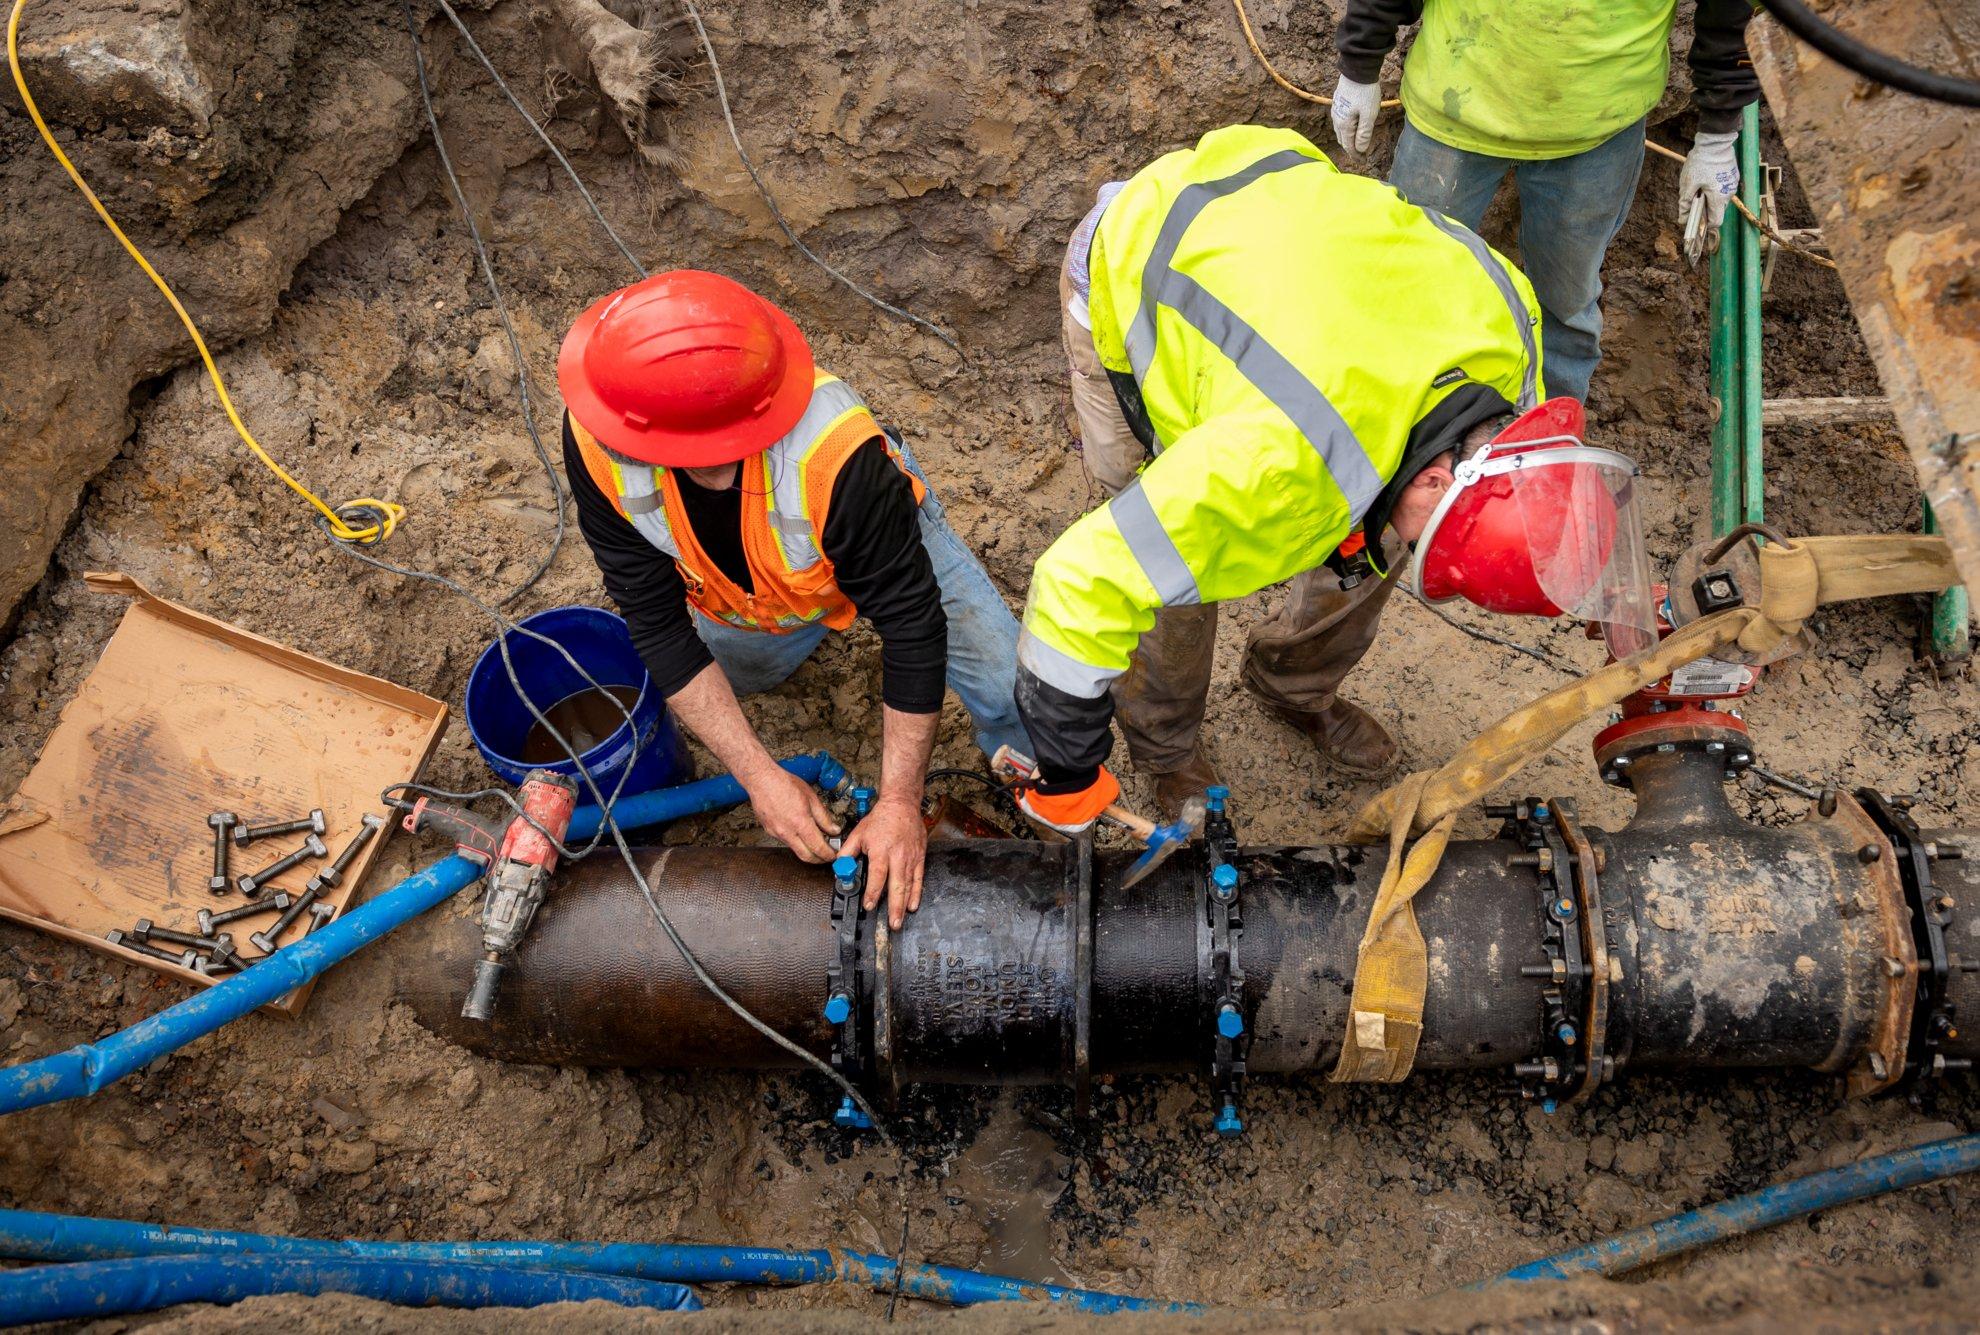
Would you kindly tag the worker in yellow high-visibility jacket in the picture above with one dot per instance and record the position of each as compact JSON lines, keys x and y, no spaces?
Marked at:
{"x":1303,"y":352}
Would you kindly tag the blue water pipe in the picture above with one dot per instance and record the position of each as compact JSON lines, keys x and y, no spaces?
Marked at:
{"x":89,"y":1067}
{"x":94,"y":1289}
{"x":648,"y":750}
{"x":30,"y":1236}
{"x":1761,"y":1209}
{"x":692,"y":799}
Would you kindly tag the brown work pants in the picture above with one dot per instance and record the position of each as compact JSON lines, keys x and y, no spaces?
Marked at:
{"x":1295,"y":662}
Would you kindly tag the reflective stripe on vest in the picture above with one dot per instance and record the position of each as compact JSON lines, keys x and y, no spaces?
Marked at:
{"x":1529,"y":388}
{"x":1153,"y":548}
{"x":1282,"y":383}
{"x":782,"y":485}
{"x":639,"y":497}
{"x":793,"y":581}
{"x":1256,"y":360}
{"x":832,"y":400}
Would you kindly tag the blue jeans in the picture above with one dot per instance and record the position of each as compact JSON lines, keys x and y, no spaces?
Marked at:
{"x":1570,"y":209}
{"x":983,"y":638}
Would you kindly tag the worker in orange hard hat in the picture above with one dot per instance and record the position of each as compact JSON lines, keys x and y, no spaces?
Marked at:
{"x":1283,"y":371}
{"x":741,"y":503}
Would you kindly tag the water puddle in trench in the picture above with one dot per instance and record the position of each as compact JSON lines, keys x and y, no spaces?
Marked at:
{"x":1008,"y":1179}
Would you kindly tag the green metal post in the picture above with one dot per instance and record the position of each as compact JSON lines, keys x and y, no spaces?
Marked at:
{"x":1753,"y":480}
{"x":1738,"y":476}
{"x":1952,"y":612}
{"x":1727,"y":431}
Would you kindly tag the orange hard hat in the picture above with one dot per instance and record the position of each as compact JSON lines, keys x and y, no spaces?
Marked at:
{"x":1540,"y":524}
{"x":685,"y":369}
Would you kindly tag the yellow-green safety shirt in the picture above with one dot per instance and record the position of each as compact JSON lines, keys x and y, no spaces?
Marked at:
{"x":1535,"y":79}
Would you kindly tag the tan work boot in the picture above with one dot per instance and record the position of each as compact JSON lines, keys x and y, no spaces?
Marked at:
{"x":1346,"y":734}
{"x":1176,"y":788}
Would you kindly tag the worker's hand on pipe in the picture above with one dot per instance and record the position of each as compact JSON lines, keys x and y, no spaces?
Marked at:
{"x":1355,"y":107}
{"x":1069,"y":813}
{"x":790,"y":809}
{"x":1711,"y":170}
{"x":894,"y":839}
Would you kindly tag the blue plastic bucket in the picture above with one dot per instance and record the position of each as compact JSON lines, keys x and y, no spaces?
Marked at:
{"x":649,"y":751}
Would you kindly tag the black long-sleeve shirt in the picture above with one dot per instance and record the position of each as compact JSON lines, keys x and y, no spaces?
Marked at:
{"x":872,"y":538}
{"x":1722,"y":77}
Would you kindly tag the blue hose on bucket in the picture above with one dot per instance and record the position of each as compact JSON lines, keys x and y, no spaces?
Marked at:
{"x":27,"y":1235}
{"x":90,"y":1067}
{"x":1760,"y":1209}
{"x":692,"y":799}
{"x":115,"y":1288}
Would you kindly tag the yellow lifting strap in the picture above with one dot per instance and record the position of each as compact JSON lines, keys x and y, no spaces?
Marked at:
{"x":1392,"y":973}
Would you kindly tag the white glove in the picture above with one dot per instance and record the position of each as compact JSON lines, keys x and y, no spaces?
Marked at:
{"x":1711,"y":170}
{"x":1353,"y":113}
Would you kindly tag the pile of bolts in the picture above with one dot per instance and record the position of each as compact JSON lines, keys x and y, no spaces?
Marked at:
{"x":209,"y":950}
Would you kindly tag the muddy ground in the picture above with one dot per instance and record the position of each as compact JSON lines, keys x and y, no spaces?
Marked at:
{"x":941,"y":153}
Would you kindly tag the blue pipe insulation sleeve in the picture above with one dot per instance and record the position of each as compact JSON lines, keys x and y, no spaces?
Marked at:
{"x":27,"y":1235}
{"x":691,"y":799}
{"x":92,"y":1066}
{"x":1761,"y":1209}
{"x":92,"y":1289}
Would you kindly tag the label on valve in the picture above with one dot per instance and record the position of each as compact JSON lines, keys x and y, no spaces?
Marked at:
{"x":1711,"y":677}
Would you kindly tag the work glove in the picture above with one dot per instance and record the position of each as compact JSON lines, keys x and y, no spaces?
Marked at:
{"x":1711,"y":170}
{"x":1069,"y":813}
{"x":1353,"y":113}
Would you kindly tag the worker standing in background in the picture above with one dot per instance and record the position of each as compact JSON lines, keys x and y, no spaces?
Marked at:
{"x":1306,"y":354}
{"x":1556,"y":92}
{"x":741,"y":503}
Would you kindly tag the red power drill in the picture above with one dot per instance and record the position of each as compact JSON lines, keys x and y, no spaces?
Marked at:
{"x":519,"y":860}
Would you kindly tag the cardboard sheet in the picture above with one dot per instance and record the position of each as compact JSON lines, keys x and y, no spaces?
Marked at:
{"x":183,"y":716}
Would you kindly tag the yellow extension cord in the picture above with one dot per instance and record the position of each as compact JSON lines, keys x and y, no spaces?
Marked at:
{"x":389,"y":513}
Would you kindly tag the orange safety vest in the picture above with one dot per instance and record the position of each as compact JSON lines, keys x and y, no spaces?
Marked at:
{"x":783,"y":538}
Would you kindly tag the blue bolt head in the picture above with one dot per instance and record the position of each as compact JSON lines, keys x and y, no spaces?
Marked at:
{"x":1566,"y":1034}
{"x":845,"y":868}
{"x":1215,"y":796}
{"x":1224,"y":876}
{"x":1562,"y":909}
{"x":838,"y":1008}
{"x":850,"y":1117}
{"x":1230,"y":1021}
{"x":1228,"y":1123}
{"x":862,"y":799}
{"x":1540,"y":811}
{"x":1550,"y":1106}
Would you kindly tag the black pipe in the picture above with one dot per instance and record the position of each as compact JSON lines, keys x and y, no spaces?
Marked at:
{"x":1724,"y":944}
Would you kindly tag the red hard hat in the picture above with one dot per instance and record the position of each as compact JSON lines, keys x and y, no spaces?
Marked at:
{"x":1539,"y":524}
{"x":686,"y":370}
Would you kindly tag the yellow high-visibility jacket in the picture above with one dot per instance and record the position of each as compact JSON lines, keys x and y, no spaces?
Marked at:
{"x":1289,"y":328}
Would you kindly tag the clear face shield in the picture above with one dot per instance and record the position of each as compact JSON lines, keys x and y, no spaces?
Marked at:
{"x":1584,"y":532}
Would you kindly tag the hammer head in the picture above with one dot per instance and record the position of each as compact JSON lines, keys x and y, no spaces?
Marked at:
{"x":1166,"y":840}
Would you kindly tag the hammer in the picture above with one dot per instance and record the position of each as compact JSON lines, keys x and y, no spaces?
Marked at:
{"x":1160,"y":840}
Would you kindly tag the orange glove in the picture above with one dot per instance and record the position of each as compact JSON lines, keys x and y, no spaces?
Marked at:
{"x":1069,"y":813}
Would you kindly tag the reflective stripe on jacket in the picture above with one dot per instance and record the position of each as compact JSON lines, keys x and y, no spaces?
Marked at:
{"x":783,"y":538}
{"x":1287,"y":326}
{"x":1535,"y":79}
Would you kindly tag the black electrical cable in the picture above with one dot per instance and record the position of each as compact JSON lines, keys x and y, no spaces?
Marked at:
{"x":1878,"y":66}
{"x":557,"y":497}
{"x":770,"y":200}
{"x":543,"y":135}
